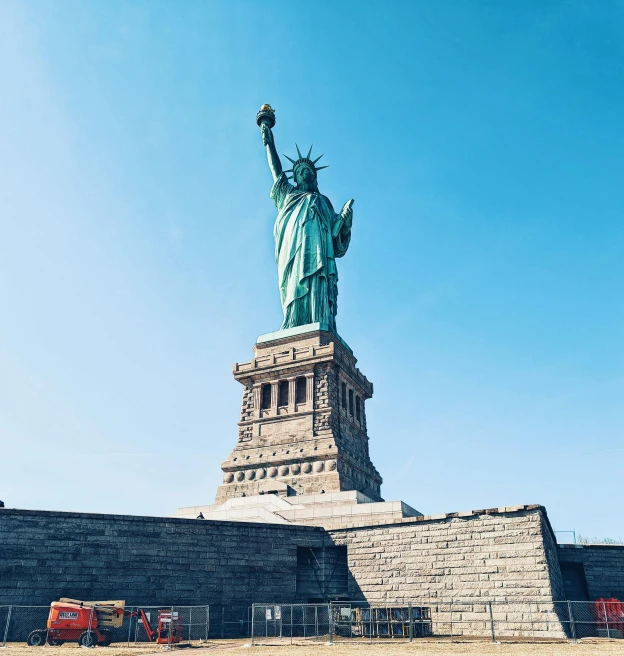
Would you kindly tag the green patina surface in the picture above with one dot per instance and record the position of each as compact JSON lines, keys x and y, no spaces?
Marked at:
{"x":309,"y":237}
{"x":300,"y":330}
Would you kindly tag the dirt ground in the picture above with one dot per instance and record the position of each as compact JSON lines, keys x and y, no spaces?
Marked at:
{"x":589,"y":647}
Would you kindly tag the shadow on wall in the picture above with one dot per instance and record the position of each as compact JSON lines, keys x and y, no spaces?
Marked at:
{"x":323,"y":575}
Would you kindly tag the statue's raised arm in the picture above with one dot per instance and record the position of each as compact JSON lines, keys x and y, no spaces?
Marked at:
{"x":266,"y":121}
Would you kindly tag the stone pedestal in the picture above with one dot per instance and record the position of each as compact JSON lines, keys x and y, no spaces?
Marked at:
{"x":303,"y":420}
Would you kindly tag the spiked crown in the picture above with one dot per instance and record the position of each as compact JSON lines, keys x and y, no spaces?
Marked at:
{"x":304,"y":160}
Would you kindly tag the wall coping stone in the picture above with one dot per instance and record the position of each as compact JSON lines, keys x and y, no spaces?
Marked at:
{"x":503,"y":510}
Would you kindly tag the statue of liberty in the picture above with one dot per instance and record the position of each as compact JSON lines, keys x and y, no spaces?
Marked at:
{"x":309,"y":236}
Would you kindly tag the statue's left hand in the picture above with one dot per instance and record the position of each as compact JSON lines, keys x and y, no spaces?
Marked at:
{"x":347,"y":213}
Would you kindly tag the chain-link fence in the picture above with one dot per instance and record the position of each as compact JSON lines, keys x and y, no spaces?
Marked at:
{"x":21,"y":621}
{"x":293,"y":622}
{"x":230,"y":621}
{"x":477,"y":619}
{"x":599,"y":619}
{"x":103,"y":625}
{"x":274,"y":624}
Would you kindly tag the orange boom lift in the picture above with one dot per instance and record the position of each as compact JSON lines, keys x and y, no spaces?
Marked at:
{"x":90,"y":622}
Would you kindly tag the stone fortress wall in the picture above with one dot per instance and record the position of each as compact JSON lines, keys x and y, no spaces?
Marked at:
{"x":462,"y":561}
{"x":600,"y":565}
{"x":496,"y":554}
{"x":501,"y":553}
{"x":147,"y":560}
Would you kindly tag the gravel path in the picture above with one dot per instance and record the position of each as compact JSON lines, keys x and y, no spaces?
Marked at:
{"x":418,"y":647}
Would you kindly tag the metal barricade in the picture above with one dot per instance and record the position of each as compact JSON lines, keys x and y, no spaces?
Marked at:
{"x":475,"y":618}
{"x":24,"y":622}
{"x":273,"y":624}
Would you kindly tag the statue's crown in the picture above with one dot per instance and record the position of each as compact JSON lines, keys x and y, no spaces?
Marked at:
{"x":304,"y":160}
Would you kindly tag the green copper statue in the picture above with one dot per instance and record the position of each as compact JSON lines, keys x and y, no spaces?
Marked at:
{"x":309,"y":236}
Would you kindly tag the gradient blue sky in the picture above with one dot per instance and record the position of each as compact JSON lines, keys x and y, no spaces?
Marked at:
{"x":483,"y":143}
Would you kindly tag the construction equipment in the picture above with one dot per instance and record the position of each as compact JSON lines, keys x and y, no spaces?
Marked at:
{"x":609,"y":614}
{"x":90,"y":622}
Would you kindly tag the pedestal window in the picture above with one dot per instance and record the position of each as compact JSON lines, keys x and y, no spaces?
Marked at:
{"x":300,"y":390}
{"x":265,"y":402}
{"x":282,"y":394}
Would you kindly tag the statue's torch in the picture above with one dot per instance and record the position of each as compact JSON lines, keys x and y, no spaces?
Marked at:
{"x":266,"y":115}
{"x":265,"y":119}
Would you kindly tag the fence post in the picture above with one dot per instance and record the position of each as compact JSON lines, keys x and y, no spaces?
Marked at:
{"x":532,"y":625}
{"x":331,"y":623}
{"x":572,"y":627}
{"x":604,"y":607}
{"x":207,"y":622}
{"x":291,"y":623}
{"x":253,"y":617}
{"x":130,"y":624}
{"x":411,"y":622}
{"x":90,"y":639}
{"x":6,"y":628}
{"x":351,"y":613}
{"x":47,"y":633}
{"x":492,"y":622}
{"x":136,"y":628}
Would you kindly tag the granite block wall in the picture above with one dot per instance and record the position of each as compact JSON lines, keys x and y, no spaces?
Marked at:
{"x":497,"y":555}
{"x":603,"y":566}
{"x":147,"y":560}
{"x":491,"y":554}
{"x":502,"y":554}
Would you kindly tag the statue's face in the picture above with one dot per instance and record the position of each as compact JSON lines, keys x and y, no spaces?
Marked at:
{"x":304,"y":176}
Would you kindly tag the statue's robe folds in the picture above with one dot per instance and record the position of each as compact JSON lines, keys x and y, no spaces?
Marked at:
{"x":309,"y":236}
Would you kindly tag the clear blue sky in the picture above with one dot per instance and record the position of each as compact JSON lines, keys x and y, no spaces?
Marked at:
{"x":483,"y":143}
